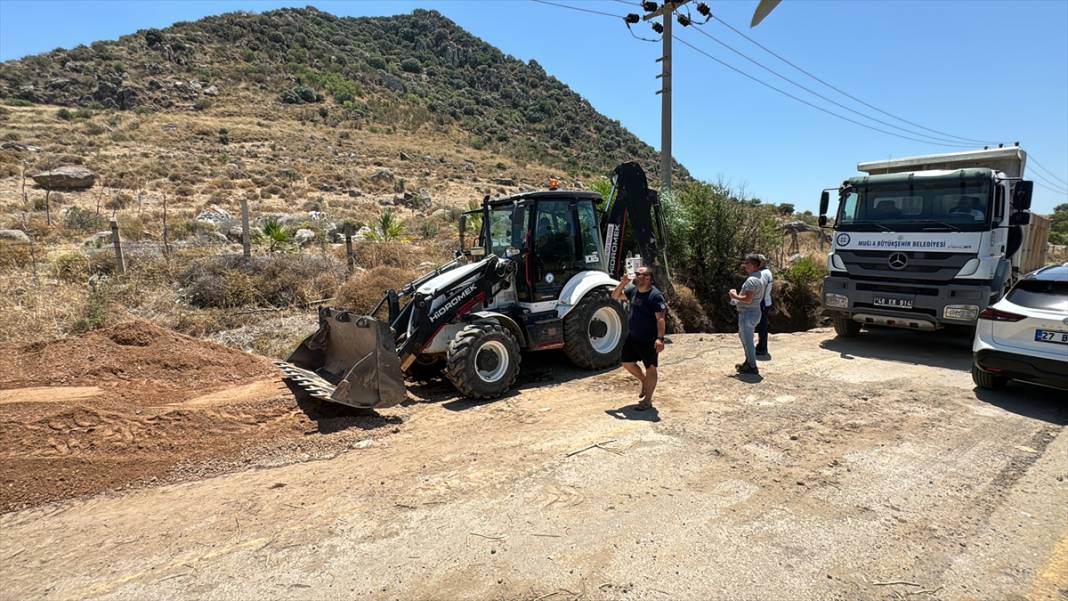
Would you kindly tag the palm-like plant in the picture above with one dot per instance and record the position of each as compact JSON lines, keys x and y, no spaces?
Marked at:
{"x":389,"y":227}
{"x":276,"y":234}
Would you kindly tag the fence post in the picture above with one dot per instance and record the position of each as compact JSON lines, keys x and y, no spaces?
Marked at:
{"x":120,"y":262}
{"x":351,"y":259}
{"x":245,"y":234}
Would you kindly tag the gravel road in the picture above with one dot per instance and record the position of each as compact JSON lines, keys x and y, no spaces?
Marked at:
{"x":861,"y":469}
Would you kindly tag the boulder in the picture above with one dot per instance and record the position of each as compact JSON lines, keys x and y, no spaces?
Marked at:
{"x":68,"y":177}
{"x":383,"y":176}
{"x":469,"y":166}
{"x":235,"y":233}
{"x":214,"y":238}
{"x":214,"y":214}
{"x":304,"y":236}
{"x":405,"y":157}
{"x":504,"y":181}
{"x":14,"y":236}
{"x":211,"y":91}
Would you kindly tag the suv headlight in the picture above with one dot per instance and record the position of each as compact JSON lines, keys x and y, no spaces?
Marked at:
{"x":836,"y":300}
{"x":961,"y":312}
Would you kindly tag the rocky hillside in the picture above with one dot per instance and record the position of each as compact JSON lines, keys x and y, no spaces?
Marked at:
{"x":417,"y":74}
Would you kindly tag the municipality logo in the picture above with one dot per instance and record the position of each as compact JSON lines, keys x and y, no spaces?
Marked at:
{"x":843,"y":240}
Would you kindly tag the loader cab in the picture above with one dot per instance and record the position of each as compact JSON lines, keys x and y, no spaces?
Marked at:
{"x":552,"y":236}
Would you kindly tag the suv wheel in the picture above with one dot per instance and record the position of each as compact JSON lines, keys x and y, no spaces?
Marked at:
{"x":985,"y":379}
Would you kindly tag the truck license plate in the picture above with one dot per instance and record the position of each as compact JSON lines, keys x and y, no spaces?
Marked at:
{"x":892,"y":302}
{"x":1051,"y":336}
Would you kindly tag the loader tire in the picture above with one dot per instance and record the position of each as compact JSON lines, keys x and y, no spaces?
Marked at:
{"x":985,"y":379}
{"x":845,"y":327}
{"x":426,"y":369}
{"x":594,"y":331}
{"x":483,"y":360}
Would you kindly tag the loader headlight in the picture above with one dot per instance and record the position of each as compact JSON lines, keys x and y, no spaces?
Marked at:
{"x":836,"y":300}
{"x":961,"y":312}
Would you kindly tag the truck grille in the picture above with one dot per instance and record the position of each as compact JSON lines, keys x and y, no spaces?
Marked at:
{"x":934,"y":267}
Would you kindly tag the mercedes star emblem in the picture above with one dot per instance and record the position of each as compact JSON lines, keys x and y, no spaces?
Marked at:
{"x":898,"y":261}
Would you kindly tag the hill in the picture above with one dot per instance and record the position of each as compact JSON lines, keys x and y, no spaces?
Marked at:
{"x":417,"y":73}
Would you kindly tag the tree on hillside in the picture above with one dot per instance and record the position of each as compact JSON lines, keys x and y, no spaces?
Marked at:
{"x":1058,"y":228}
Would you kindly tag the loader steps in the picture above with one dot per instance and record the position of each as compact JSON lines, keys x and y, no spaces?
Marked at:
{"x":311,"y":382}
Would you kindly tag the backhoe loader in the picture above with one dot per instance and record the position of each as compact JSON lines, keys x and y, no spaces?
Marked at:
{"x":538,"y":277}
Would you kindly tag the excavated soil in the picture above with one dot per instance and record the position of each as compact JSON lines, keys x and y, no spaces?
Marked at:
{"x":137,"y":404}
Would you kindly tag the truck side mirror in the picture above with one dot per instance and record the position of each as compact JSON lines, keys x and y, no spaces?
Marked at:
{"x":1020,"y":218}
{"x":823,"y":221}
{"x":1021,"y":195}
{"x":825,"y":200}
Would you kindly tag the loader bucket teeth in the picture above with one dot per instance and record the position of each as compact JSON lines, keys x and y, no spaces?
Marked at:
{"x":349,"y":360}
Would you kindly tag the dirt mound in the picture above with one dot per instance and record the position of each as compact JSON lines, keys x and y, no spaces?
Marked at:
{"x":137,"y":403}
{"x":130,"y":351}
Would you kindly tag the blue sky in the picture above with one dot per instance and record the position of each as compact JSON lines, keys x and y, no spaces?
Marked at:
{"x":980,"y":69}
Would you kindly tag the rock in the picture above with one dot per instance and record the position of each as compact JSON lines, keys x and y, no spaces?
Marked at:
{"x":214,"y":214}
{"x":215,"y":237}
{"x":211,"y":91}
{"x":14,"y":236}
{"x":316,"y":216}
{"x":383,"y":176}
{"x":17,"y":147}
{"x":405,"y":157}
{"x":387,"y":201}
{"x":68,"y":177}
{"x":469,"y":166}
{"x":304,"y":236}
{"x":354,"y":193}
{"x":504,"y":181}
{"x":98,"y":239}
{"x":362,"y":233}
{"x":235,"y":233}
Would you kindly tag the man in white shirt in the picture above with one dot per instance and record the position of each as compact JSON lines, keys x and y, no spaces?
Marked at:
{"x":765,"y":307}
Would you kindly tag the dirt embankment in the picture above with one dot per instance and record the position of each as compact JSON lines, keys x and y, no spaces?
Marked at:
{"x":136,"y":404}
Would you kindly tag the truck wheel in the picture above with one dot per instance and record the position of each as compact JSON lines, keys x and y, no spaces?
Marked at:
{"x":426,"y":368}
{"x":594,"y":331}
{"x":985,"y":379}
{"x":845,"y":327}
{"x":483,"y":360}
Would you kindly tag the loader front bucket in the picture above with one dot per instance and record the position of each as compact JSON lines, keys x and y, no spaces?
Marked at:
{"x":351,"y":359}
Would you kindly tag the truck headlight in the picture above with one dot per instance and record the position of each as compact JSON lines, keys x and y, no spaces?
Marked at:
{"x":835,"y":263}
{"x":838,"y":300}
{"x":961,"y":312}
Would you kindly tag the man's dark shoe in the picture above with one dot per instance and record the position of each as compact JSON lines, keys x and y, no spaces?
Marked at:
{"x":746,"y":369}
{"x":644,"y":405}
{"x":763,"y":355}
{"x":739,"y":366}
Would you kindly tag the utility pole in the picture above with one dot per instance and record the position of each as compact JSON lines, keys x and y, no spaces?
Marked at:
{"x":667,"y":11}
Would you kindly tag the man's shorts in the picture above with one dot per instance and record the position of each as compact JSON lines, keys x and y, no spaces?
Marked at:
{"x":637,"y":350}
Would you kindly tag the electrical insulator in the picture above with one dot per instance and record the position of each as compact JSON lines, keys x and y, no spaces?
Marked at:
{"x":703,"y":9}
{"x":684,"y":20}
{"x":657,"y":27}
{"x":632,"y":18}
{"x":649,"y":6}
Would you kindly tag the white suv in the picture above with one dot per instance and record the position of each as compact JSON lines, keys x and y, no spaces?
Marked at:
{"x":1024,"y":336}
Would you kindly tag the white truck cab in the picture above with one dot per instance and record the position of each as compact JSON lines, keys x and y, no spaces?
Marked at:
{"x":926,"y":242}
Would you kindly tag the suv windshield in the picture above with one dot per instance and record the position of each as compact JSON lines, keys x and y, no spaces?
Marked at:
{"x":917,"y":208}
{"x":1041,"y":294}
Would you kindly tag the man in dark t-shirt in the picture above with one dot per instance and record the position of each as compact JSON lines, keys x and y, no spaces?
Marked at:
{"x":646,"y":327}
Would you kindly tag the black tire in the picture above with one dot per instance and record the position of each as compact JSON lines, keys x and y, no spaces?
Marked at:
{"x":426,"y":369}
{"x":845,"y":327}
{"x":985,"y":379}
{"x":581,"y":331}
{"x":469,"y":347}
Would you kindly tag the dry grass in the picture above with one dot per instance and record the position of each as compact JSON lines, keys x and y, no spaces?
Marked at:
{"x":363,"y":291}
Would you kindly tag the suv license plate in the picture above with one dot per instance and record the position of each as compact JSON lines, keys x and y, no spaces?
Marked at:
{"x":892,"y":302}
{"x":1051,"y":336}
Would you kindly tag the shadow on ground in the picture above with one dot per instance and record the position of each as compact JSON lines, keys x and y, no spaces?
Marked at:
{"x":949,"y":350}
{"x":1036,"y":402}
{"x":631,"y":412}
{"x":537,"y":369}
{"x":334,"y":417}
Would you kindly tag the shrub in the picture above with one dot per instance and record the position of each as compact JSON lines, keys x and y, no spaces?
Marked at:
{"x":71,"y":267}
{"x":84,"y":220}
{"x":14,"y":255}
{"x":797,"y":296}
{"x":64,"y":114}
{"x":278,"y":280}
{"x":98,"y":305}
{"x":362,"y":291}
{"x":688,"y":310}
{"x":388,"y":228}
{"x":411,"y":65}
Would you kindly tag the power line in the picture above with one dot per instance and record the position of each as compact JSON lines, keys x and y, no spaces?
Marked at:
{"x":1047,"y":171}
{"x":941,"y":141}
{"x":802,"y":100}
{"x":1043,"y":178}
{"x":1058,"y":192}
{"x":841,"y":91}
{"x":585,"y":10}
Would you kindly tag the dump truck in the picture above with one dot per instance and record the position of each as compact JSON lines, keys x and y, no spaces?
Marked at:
{"x":538,"y":277}
{"x":928,"y":242}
